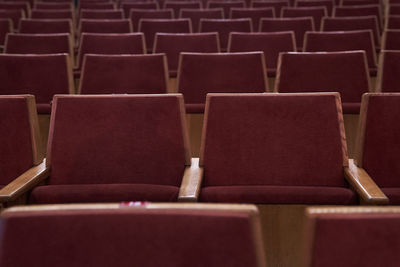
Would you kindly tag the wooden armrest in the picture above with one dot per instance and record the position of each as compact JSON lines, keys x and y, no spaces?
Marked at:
{"x":24,"y":182}
{"x":366,"y":188}
{"x":191,"y":182}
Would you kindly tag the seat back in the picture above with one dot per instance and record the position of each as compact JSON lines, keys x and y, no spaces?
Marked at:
{"x":172,"y":44}
{"x":6,"y":26}
{"x":137,"y":14}
{"x":226,"y":6}
{"x":52,"y":14}
{"x":195,"y":15}
{"x":120,"y":139}
{"x":273,"y":139}
{"x":363,"y":10}
{"x":391,"y":39}
{"x":46,"y":26}
{"x":393,"y":22}
{"x":328,"y":4}
{"x":19,"y":138}
{"x":127,"y":6}
{"x":101,"y":14}
{"x":255,"y":14}
{"x":176,"y":6}
{"x":275,"y":4}
{"x":105,"y":26}
{"x":174,"y":235}
{"x":388,"y":71}
{"x":378,"y":146}
{"x":14,"y":14}
{"x":96,"y":5}
{"x":10,"y":5}
{"x":52,"y":5}
{"x":317,"y":13}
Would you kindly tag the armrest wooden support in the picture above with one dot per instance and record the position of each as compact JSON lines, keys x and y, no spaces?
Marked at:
{"x":364,"y":185}
{"x":191,"y":182}
{"x":24,"y":182}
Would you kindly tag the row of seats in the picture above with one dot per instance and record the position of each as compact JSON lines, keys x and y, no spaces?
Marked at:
{"x":256,"y":148}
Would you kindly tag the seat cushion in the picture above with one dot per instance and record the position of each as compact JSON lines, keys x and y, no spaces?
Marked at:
{"x":43,"y":108}
{"x":278,"y":195}
{"x":351,"y":108}
{"x":393,"y":193}
{"x":86,"y":193}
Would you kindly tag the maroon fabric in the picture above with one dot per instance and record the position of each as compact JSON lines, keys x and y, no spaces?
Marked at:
{"x":343,"y":72}
{"x":5,"y":28}
{"x":259,"y":194}
{"x":14,"y":14}
{"x":15,"y":138}
{"x":381,"y":153}
{"x":108,"y":44}
{"x":105,"y":25}
{"x":360,"y":2}
{"x":362,"y":10}
{"x":116,"y":140}
{"x":317,"y":13}
{"x":343,"y":41}
{"x":328,"y":4}
{"x":123,"y":74}
{"x":10,"y":5}
{"x":351,"y":108}
{"x":276,"y":4}
{"x":298,"y":25}
{"x":202,"y":73}
{"x":176,"y":6}
{"x":195,"y":15}
{"x":393,"y":22}
{"x":350,"y":240}
{"x":255,"y":14}
{"x":23,"y":43}
{"x":272,"y":139}
{"x":394,"y":9}
{"x":224,"y":27}
{"x":392,"y":40}
{"x":84,"y":193}
{"x":137,"y":14}
{"x":172,"y":44}
{"x":390,"y":71}
{"x":352,"y":24}
{"x":53,"y":5}
{"x":43,"y":108}
{"x":39,"y":75}
{"x":52,"y":14}
{"x":45,"y":26}
{"x":128,"y":6}
{"x":195,"y":108}
{"x":89,"y":5}
{"x":152,"y":26}
{"x":226,"y":6}
{"x":271,"y":43}
{"x":101,"y":14}
{"x":393,"y":193}
{"x":138,"y":237}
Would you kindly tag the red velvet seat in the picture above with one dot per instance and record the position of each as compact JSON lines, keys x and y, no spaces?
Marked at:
{"x":46,"y":26}
{"x":105,"y":26}
{"x":391,"y":39}
{"x":177,"y":6}
{"x":52,"y":14}
{"x":11,"y":5}
{"x":343,"y":72}
{"x":388,"y":72}
{"x":317,"y":13}
{"x":202,"y":73}
{"x":150,"y":27}
{"x":328,"y":4}
{"x":127,"y":6}
{"x":393,"y":9}
{"x":19,"y":137}
{"x":137,"y":14}
{"x":226,"y":6}
{"x":124,"y":74}
{"x":52,"y":5}
{"x":144,"y":234}
{"x":224,"y":27}
{"x":14,"y":14}
{"x":274,"y":149}
{"x":6,"y":26}
{"x":195,"y":15}
{"x":298,"y":25}
{"x":39,"y":75}
{"x":255,"y":14}
{"x":378,"y":147}
{"x":393,"y":22}
{"x":352,"y":236}
{"x":343,"y":41}
{"x":364,"y":10}
{"x":276,"y":4}
{"x":352,"y":24}
{"x":94,"y":5}
{"x":101,"y":14}
{"x":172,"y":44}
{"x":271,"y":43}
{"x":360,"y":2}
{"x":119,"y":148}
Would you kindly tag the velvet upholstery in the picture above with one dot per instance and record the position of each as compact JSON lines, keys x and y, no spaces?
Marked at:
{"x":52,"y":5}
{"x":393,"y":9}
{"x":15,"y":138}
{"x":150,"y":27}
{"x":343,"y":72}
{"x":176,"y":6}
{"x":6,"y":27}
{"x":271,"y":43}
{"x":94,"y":5}
{"x":328,"y":4}
{"x":52,"y":14}
{"x":23,"y":43}
{"x":105,"y":26}
{"x":103,"y":142}
{"x":195,"y":15}
{"x":298,"y":25}
{"x":10,"y":5}
{"x":45,"y":26}
{"x":393,"y":22}
{"x":362,"y":10}
{"x":14,"y":14}
{"x":316,"y":12}
{"x":39,"y":75}
{"x":128,"y":237}
{"x":101,"y":14}
{"x":128,"y":6}
{"x":224,"y":27}
{"x":391,"y":40}
{"x":124,"y":74}
{"x":389,"y":71}
{"x":360,"y":2}
{"x":276,"y":4}
{"x":172,"y":44}
{"x":226,"y":6}
{"x":201,"y":73}
{"x":108,"y":44}
{"x":137,"y":14}
{"x":283,"y":148}
{"x":254,"y":13}
{"x":354,"y":239}
{"x":343,"y":41}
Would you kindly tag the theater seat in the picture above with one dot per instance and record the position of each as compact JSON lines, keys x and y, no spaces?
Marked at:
{"x":46,"y":26}
{"x":115,"y":148}
{"x":388,"y":71}
{"x":132,"y":234}
{"x":195,"y":15}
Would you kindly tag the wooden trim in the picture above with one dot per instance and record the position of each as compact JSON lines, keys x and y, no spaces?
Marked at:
{"x":166,"y":70}
{"x":342,"y":129}
{"x":255,"y":221}
{"x":185,"y":134}
{"x":70,"y":76}
{"x":38,"y":154}
{"x":359,"y":151}
{"x":191,"y":182}
{"x":363,"y":184}
{"x":204,"y":131}
{"x":278,"y":72}
{"x":379,"y":75}
{"x":314,"y":211}
{"x":366,"y":70}
{"x":24,"y":182}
